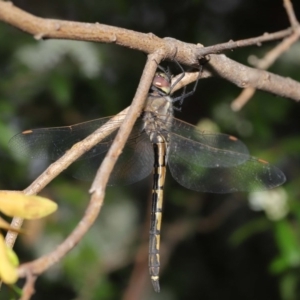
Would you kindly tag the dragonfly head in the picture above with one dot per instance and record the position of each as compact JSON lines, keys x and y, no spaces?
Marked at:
{"x":161,"y":83}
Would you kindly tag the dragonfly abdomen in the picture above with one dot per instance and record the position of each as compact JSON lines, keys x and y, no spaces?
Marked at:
{"x":159,"y":173}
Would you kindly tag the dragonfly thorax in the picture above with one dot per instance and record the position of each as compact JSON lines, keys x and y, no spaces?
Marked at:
{"x":158,"y":114}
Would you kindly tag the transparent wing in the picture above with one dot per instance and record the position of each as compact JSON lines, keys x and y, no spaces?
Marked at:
{"x":197,"y":168}
{"x":206,"y":149}
{"x":135,"y":162}
{"x":52,"y":143}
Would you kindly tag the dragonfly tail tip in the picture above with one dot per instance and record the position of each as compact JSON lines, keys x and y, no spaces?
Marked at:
{"x":156,"y":286}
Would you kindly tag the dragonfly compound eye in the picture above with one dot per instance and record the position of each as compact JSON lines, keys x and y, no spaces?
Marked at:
{"x":162,"y":82}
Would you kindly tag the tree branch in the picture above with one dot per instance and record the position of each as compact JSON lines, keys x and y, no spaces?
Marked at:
{"x":185,"y":53}
{"x":250,"y":77}
{"x":57,"y":29}
{"x":270,"y":57}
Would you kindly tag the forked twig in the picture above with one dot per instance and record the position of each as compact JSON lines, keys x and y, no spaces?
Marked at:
{"x":270,"y":57}
{"x":61,"y":164}
{"x":41,"y":264}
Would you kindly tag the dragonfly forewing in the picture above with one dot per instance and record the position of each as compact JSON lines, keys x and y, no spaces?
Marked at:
{"x":52,"y":143}
{"x":134,"y":164}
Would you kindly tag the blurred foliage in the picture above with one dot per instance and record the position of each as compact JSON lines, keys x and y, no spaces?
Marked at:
{"x":244,"y":255}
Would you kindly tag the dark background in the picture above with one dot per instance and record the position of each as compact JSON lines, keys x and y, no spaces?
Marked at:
{"x":231,"y":252}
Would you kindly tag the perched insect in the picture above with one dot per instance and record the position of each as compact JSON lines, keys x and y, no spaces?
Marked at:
{"x":200,"y":161}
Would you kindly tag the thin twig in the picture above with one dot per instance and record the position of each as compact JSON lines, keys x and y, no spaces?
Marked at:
{"x":139,"y":280}
{"x":266,"y":37}
{"x":242,"y":99}
{"x":28,"y":289}
{"x":219,"y":216}
{"x":277,"y":51}
{"x":291,"y":13}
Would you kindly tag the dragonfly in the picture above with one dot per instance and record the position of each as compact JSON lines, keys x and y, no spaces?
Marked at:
{"x":200,"y":161}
